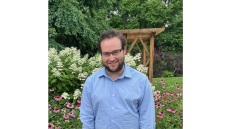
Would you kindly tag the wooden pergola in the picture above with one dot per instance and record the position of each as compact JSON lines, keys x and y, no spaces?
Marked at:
{"x":143,"y":35}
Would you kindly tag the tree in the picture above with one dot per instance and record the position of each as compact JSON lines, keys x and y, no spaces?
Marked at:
{"x":141,"y":14}
{"x":77,"y":23}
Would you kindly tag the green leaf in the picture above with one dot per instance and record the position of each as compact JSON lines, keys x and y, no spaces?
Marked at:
{"x":49,"y":85}
{"x":62,"y":101}
{"x":51,"y":77}
{"x":60,"y":79}
{"x":67,"y":88}
{"x":53,"y":81}
{"x":64,"y":84}
{"x":65,"y":77}
{"x":71,"y":76}
{"x":71,"y":84}
{"x":71,"y":96}
{"x":59,"y":85}
{"x":59,"y":90}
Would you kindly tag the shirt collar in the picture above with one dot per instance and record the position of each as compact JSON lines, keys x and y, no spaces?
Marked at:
{"x":126,"y":72}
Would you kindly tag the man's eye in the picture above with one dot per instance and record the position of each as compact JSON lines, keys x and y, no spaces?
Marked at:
{"x":106,"y":53}
{"x":115,"y":52}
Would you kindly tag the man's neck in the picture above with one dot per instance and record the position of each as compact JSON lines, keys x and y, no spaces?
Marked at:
{"x":117,"y":74}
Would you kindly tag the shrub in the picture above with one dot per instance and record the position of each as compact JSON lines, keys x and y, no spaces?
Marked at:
{"x":167,"y":74}
{"x":158,"y":64}
{"x":179,"y":65}
{"x":68,"y":70}
{"x":166,"y":61}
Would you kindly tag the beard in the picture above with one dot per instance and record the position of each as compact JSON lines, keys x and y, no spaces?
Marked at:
{"x":119,"y":67}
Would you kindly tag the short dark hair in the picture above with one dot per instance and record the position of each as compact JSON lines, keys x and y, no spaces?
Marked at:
{"x":107,"y":34}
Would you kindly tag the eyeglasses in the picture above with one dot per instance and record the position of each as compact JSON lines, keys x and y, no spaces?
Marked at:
{"x":115,"y":53}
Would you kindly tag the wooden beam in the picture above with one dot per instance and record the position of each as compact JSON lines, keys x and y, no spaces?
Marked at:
{"x":131,"y":46}
{"x":146,"y":64}
{"x":144,"y":46}
{"x":144,"y":54}
{"x":140,"y":61}
{"x":125,"y":35}
{"x":147,"y":30}
{"x":139,"y":35}
{"x":139,"y":48}
{"x":151,"y":58}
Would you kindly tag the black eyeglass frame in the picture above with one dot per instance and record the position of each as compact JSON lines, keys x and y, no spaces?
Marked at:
{"x":108,"y":53}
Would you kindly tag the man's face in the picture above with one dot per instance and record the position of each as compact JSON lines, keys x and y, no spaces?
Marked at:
{"x":112,"y":63}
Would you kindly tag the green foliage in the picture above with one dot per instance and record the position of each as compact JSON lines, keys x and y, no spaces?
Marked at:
{"x":167,"y":74}
{"x":140,"y":14}
{"x":77,"y":23}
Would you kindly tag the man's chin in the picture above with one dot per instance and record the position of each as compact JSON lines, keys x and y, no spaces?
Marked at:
{"x":114,"y":69}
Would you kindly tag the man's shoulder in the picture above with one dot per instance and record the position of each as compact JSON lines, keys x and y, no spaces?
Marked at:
{"x":136,"y":74}
{"x":95,"y":75}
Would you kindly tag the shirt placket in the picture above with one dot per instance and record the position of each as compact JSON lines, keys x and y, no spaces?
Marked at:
{"x":113,"y":102}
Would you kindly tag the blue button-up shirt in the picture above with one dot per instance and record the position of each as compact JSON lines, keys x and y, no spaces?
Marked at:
{"x":124,"y":103}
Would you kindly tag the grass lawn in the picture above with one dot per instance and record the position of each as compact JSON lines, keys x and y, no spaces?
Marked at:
{"x":170,"y":80}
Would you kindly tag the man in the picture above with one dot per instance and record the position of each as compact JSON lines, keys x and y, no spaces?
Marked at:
{"x":116,"y":96}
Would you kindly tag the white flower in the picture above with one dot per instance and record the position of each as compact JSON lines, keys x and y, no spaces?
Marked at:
{"x":56,"y":58}
{"x":155,"y":92}
{"x":142,"y":69}
{"x":75,"y":58}
{"x":82,"y":86}
{"x":59,"y":64}
{"x":73,"y":67}
{"x":133,"y":63}
{"x":92,"y":63}
{"x":65,"y":95}
{"x":56,"y":72}
{"x":82,"y":76}
{"x":137,"y":57}
{"x":95,"y":70}
{"x":52,"y":52}
{"x":79,"y":69}
{"x":49,"y":61}
{"x":153,"y":88}
{"x":77,"y":93}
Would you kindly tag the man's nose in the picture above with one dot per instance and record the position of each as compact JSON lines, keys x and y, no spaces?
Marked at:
{"x":111,"y":57}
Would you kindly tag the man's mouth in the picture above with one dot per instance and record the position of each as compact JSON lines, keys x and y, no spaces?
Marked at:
{"x":113,"y":62}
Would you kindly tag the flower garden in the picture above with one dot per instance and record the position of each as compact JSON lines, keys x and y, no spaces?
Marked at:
{"x":68,"y":71}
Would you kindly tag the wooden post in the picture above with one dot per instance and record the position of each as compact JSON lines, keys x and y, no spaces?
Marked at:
{"x":131,"y":35}
{"x":125,"y":35}
{"x":151,"y":58}
{"x":131,"y":46}
{"x":144,"y":54}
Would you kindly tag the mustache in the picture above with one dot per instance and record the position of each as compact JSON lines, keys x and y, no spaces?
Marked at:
{"x":113,"y":61}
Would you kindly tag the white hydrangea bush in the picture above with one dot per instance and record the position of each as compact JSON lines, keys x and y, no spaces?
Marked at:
{"x":68,"y":70}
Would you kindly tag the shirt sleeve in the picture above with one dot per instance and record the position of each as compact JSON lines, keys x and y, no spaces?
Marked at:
{"x":146,"y":107}
{"x":86,"y":110}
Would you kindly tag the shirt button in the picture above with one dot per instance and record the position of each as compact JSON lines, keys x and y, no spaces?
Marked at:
{"x":113,"y":82}
{"x":113,"y":94}
{"x":112,"y":121}
{"x":112,"y":107}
